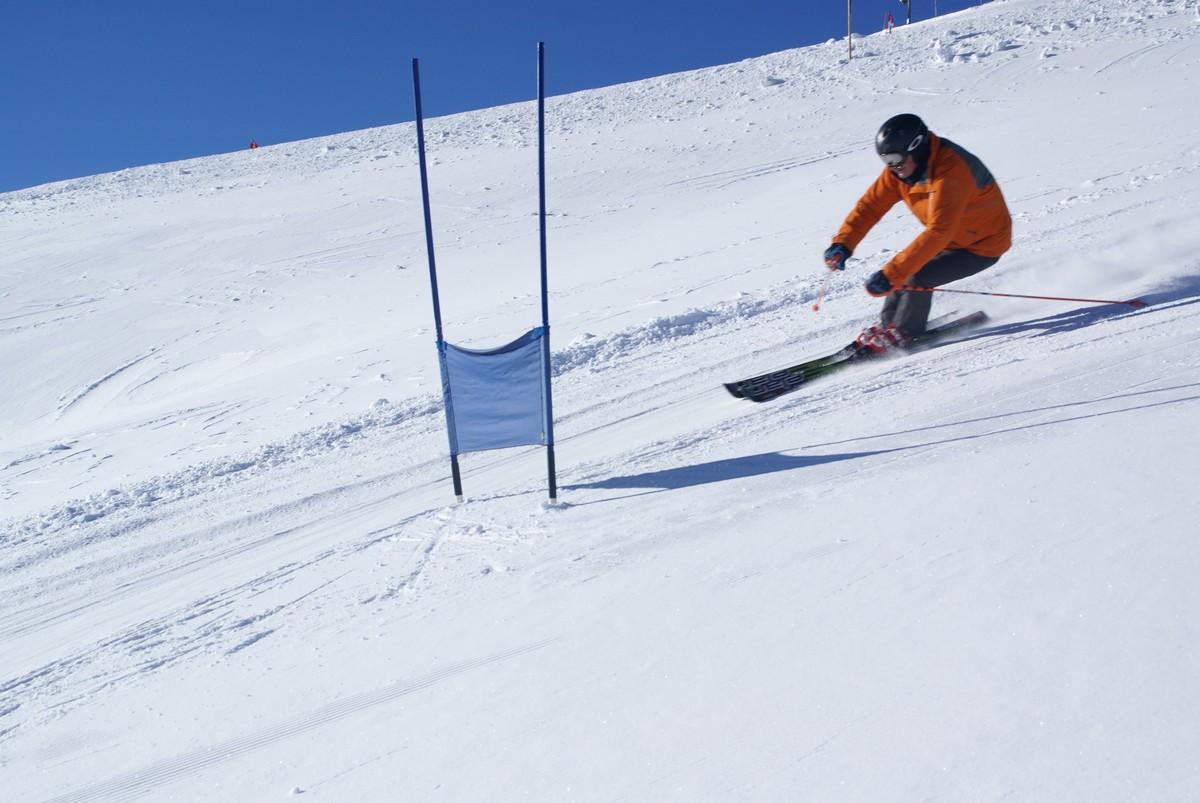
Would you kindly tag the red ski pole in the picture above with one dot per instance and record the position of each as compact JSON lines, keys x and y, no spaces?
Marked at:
{"x":821,"y":295}
{"x":1136,"y":303}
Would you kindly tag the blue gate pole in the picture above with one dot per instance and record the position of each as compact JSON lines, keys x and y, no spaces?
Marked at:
{"x":541,"y":110}
{"x":455,"y":474}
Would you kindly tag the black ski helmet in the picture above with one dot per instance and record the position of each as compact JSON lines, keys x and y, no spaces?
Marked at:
{"x":904,"y":133}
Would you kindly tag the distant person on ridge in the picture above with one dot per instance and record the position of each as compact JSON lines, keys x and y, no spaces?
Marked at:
{"x":888,"y":22}
{"x":967,"y":225}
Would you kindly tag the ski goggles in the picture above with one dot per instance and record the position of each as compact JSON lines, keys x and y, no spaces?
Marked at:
{"x":893,"y":159}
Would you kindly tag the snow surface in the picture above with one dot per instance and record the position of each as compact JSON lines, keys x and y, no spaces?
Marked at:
{"x":231,"y":563}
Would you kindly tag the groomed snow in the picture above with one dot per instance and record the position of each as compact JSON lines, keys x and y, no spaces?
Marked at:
{"x":232,"y":568}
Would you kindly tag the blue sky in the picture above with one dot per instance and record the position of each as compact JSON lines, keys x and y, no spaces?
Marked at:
{"x":89,"y":87}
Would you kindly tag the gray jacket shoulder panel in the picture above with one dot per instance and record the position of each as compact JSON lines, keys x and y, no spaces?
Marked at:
{"x":983,"y":177}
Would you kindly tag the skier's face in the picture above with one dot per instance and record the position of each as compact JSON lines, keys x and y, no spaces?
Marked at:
{"x":901,"y":165}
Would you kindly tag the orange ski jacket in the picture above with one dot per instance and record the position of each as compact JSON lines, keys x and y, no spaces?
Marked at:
{"x":958,"y":201}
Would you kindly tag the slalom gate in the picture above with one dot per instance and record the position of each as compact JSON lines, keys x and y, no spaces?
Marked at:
{"x":501,"y":397}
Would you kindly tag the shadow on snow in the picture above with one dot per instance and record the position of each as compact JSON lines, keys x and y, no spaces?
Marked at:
{"x":737,"y":468}
{"x":1183,"y":292}
{"x":734,"y":468}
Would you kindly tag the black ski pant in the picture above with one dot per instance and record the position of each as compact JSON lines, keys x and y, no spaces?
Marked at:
{"x":908,"y":310}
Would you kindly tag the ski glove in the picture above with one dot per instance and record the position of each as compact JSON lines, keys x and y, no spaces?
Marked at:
{"x":878,"y":284}
{"x":836,"y":256}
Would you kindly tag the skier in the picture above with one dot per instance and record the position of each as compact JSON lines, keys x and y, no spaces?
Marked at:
{"x":888,"y":22}
{"x":967,"y":225}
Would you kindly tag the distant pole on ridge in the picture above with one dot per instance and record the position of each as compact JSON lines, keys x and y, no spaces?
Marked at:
{"x":849,"y":34}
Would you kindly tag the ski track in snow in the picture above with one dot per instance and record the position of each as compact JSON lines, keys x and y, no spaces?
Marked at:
{"x":134,"y":784}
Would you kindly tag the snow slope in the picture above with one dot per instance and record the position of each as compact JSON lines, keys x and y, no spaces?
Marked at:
{"x":232,"y":568}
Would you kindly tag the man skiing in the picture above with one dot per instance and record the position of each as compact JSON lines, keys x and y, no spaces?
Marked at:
{"x":967,"y":225}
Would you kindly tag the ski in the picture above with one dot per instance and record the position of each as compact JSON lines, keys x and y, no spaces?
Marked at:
{"x":774,"y":384}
